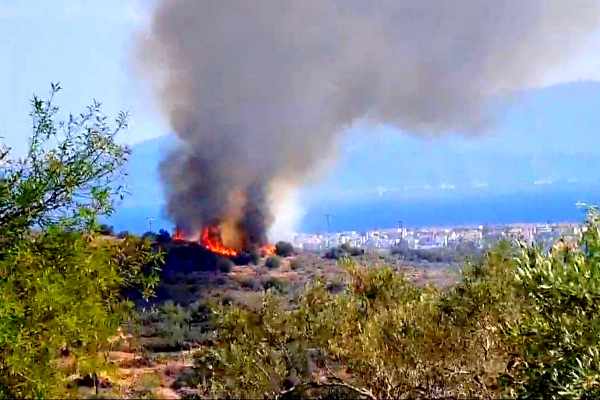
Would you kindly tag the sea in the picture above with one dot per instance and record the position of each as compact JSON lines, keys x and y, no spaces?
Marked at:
{"x":542,"y":205}
{"x":528,"y":208}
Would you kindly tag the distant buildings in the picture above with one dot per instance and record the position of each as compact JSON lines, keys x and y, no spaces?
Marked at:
{"x":427,"y":238}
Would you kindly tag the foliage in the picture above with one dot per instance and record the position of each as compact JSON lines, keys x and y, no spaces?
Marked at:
{"x":61,"y":285}
{"x":351,"y":250}
{"x":342,"y":251}
{"x":521,"y":322}
{"x":151,"y":236}
{"x":335,"y":253}
{"x":125,"y":234}
{"x":106,"y":230}
{"x":559,"y":338}
{"x":176,"y":327}
{"x":225,"y":265}
{"x":457,"y":254}
{"x":255,"y":257}
{"x":296,"y":265}
{"x":335,"y":286}
{"x":277,"y":285}
{"x":273,"y":262}
{"x":70,"y":184}
{"x":251,"y":283}
{"x":284,"y":249}
{"x":163,"y":236}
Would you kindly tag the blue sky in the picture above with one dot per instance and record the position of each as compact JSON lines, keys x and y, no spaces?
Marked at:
{"x":81,"y":44}
{"x":84,"y":44}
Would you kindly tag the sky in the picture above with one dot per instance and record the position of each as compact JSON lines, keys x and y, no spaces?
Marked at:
{"x":84,"y":44}
{"x":81,"y":44}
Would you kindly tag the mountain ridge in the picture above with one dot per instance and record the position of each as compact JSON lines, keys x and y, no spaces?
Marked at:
{"x":379,"y":162}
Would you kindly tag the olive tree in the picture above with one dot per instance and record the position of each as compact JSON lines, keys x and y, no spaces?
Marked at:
{"x":60,"y":281}
{"x":520,"y":322}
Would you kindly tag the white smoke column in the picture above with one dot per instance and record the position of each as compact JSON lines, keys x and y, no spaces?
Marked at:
{"x":287,"y":212}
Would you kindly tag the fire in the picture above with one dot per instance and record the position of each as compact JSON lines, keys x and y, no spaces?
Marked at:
{"x":177,"y":235}
{"x":211,"y":239}
{"x":268,"y":250}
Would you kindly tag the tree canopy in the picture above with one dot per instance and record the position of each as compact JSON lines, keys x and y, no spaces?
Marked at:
{"x":60,"y":282}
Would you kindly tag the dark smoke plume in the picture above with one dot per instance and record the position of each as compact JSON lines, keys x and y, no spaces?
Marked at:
{"x":259,"y":90}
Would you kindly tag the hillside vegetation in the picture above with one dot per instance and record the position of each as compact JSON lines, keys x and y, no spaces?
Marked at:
{"x":519,"y":323}
{"x":60,"y":284}
{"x":516,"y":322}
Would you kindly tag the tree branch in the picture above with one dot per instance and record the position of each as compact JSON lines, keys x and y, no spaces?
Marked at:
{"x":318,"y":385}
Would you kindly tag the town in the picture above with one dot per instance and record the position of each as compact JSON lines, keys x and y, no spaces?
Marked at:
{"x":481,"y":237}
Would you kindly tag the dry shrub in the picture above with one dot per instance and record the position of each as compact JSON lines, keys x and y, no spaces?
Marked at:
{"x":520,"y":322}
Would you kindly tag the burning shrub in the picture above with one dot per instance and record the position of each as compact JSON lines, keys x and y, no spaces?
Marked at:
{"x":284,"y":249}
{"x":273,"y":262}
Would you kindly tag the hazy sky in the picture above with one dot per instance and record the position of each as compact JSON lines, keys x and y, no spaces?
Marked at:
{"x":84,"y":44}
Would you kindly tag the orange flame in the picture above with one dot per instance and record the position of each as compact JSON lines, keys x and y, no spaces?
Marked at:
{"x":211,"y":239}
{"x":177,"y":235}
{"x":268,"y":250}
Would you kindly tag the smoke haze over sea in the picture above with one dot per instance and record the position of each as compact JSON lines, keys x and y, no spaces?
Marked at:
{"x":260,"y":93}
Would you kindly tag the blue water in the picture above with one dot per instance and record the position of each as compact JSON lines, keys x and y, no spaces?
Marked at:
{"x":540,"y":205}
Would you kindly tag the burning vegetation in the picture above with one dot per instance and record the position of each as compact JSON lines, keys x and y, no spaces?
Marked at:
{"x":211,"y":239}
{"x":259,"y":93}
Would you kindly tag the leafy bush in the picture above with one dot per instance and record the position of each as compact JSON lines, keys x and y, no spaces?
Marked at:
{"x":296,"y":265}
{"x":225,"y":265}
{"x":176,"y":327}
{"x":521,"y":322}
{"x":163,"y":236}
{"x":355,"y":251}
{"x":106,"y":230}
{"x":284,"y":249}
{"x":558,"y":337}
{"x":322,"y":328}
{"x":335,"y":286}
{"x":335,"y":253}
{"x":60,"y":287}
{"x":255,"y":257}
{"x":277,"y":285}
{"x":251,"y":283}
{"x":125,"y":234}
{"x":151,"y":236}
{"x":343,"y":250}
{"x":459,"y":254}
{"x":273,"y":262}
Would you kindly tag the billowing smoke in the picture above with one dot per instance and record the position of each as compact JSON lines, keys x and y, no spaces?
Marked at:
{"x":259,"y":91}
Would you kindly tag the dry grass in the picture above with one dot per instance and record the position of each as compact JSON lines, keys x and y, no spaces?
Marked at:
{"x":138,"y":376}
{"x":142,"y":373}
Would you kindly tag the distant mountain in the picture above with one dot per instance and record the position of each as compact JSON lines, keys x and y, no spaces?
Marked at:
{"x":547,"y":136}
{"x":546,"y":139}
